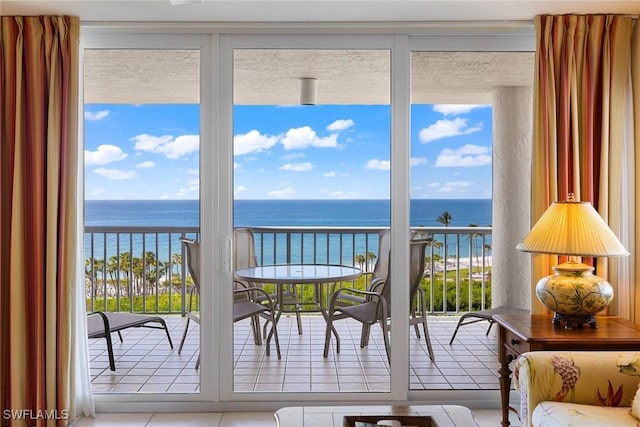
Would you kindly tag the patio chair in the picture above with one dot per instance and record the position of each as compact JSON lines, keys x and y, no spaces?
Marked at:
{"x":485,"y":315}
{"x":245,"y":303}
{"x":373,"y":279}
{"x":102,"y":325}
{"x":377,"y":303}
{"x":245,"y":257}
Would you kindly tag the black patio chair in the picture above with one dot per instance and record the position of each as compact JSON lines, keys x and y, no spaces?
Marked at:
{"x":245,"y":302}
{"x":485,"y":316}
{"x":375,"y":308}
{"x":101,"y":325}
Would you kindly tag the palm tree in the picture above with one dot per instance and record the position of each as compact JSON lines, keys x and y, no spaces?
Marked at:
{"x":95,"y":268}
{"x":472,"y":238}
{"x":176,"y":261}
{"x":371,"y":260}
{"x":445,"y":219}
{"x":360,"y":260}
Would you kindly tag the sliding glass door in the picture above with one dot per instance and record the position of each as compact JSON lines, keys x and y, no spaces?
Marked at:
{"x":311,"y":185}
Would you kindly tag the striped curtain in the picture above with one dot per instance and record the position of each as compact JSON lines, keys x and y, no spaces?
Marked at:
{"x":585,"y":118}
{"x":39,"y":192}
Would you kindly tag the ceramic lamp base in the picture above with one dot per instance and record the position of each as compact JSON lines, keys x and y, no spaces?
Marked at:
{"x":574,"y":294}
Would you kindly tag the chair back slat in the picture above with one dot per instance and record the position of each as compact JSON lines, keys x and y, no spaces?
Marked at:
{"x":244,"y":249}
{"x":192,"y":250}
{"x":416,"y":271}
{"x":381,"y":269}
{"x":416,"y":268}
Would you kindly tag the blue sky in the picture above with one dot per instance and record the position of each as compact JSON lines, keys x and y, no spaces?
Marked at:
{"x":292,"y":152}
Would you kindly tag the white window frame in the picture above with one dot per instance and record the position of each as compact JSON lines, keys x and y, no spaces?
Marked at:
{"x":216,"y":46}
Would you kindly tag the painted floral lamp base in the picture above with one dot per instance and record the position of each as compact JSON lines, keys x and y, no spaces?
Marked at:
{"x":574,"y":294}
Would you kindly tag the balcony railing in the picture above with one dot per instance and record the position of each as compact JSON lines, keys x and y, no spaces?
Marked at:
{"x":140,"y":269}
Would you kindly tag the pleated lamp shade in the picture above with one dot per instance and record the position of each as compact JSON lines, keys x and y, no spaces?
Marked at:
{"x":572,"y":228}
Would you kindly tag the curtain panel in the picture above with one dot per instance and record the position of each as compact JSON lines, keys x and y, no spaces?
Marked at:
{"x":39,"y":220}
{"x":584,"y":122}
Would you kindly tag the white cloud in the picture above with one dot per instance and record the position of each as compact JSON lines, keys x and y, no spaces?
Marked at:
{"x":454,"y":186}
{"x":455,"y":109}
{"x":236,"y":165}
{"x":466,"y":156}
{"x":376,"y":164}
{"x":240,"y":189}
{"x":339,"y":125}
{"x":171,"y":147}
{"x":415,"y":161}
{"x":447,"y":128}
{"x":94,"y":116}
{"x":304,"y":137}
{"x":253,"y":141}
{"x":331,"y":174}
{"x":104,"y":154}
{"x":147,"y":164}
{"x":281,"y":194}
{"x":115,"y":174}
{"x":297,"y":167}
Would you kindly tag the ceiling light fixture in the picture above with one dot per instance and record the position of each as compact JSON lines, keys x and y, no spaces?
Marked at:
{"x":308,"y":91}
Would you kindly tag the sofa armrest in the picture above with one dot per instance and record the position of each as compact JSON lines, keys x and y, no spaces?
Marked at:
{"x":604,"y":378}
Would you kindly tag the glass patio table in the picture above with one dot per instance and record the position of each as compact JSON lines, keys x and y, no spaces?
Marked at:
{"x":321,"y":276}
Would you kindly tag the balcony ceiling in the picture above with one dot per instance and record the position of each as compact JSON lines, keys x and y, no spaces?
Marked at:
{"x":273,"y":76}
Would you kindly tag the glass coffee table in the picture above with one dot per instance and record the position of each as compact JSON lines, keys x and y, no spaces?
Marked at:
{"x":333,"y":416}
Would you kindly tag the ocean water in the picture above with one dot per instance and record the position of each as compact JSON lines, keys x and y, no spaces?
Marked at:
{"x":255,"y":213}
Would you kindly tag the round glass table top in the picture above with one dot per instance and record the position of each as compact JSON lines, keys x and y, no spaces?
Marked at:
{"x":298,"y":273}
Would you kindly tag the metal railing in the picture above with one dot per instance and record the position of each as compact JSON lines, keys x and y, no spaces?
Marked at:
{"x":140,"y":269}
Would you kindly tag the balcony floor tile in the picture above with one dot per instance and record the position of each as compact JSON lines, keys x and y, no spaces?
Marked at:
{"x":145,"y":364}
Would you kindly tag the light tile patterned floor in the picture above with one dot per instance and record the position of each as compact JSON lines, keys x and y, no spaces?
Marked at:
{"x":483,"y":418}
{"x":145,"y":363}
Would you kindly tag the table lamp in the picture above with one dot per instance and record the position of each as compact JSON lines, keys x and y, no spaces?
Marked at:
{"x":574,"y":229}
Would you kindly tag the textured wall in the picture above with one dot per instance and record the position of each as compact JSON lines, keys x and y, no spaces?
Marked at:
{"x":512,"y":139}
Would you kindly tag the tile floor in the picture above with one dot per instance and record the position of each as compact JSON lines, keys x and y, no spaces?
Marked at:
{"x":146,"y":364}
{"x":483,"y":418}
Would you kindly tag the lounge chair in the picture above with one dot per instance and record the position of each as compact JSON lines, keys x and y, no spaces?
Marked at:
{"x":485,"y":315}
{"x":99,"y":322}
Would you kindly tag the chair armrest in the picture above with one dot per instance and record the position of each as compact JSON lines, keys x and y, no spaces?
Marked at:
{"x":251,"y":292}
{"x":604,"y":378}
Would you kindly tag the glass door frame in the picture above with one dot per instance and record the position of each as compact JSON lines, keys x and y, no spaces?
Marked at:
{"x":399,"y":191}
{"x":97,"y":38}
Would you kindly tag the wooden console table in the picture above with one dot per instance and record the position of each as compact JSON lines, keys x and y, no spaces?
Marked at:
{"x":521,"y":333}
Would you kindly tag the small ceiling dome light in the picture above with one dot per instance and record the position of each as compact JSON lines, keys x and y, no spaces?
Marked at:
{"x":308,"y":91}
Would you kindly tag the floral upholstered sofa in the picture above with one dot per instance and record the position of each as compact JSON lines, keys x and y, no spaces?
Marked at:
{"x":578,"y":388}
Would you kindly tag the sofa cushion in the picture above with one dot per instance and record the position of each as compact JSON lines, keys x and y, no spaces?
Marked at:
{"x":550,"y":414}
